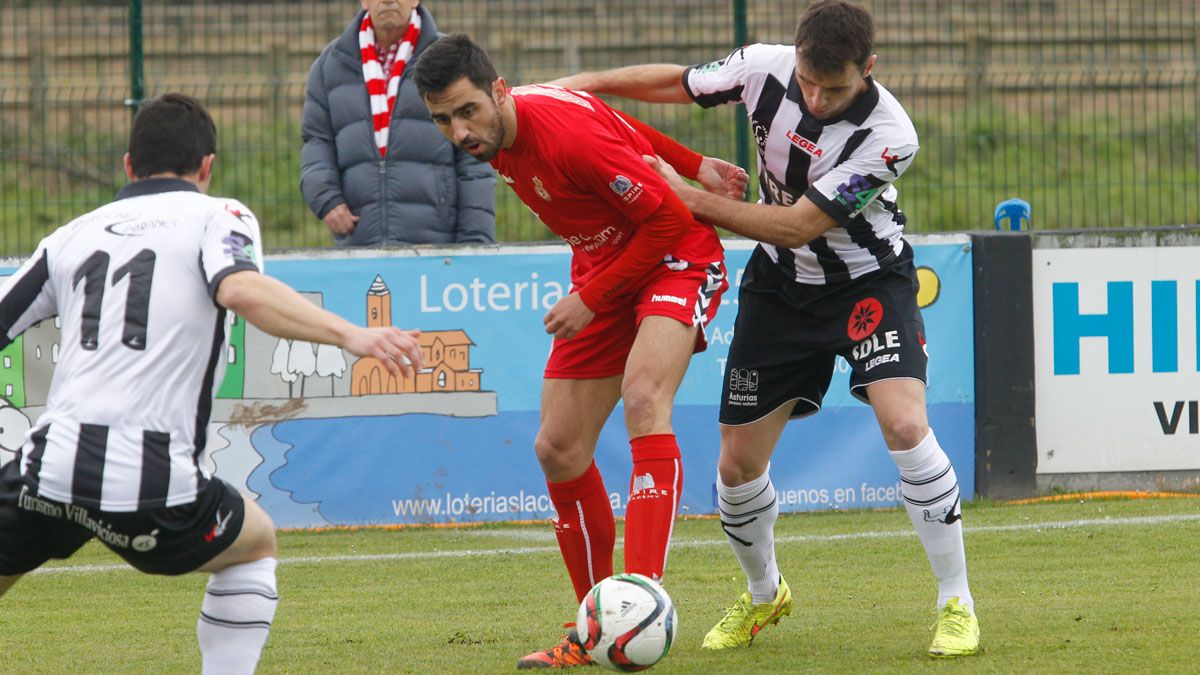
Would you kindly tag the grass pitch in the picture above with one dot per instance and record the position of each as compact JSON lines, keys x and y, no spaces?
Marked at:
{"x":1092,"y":586}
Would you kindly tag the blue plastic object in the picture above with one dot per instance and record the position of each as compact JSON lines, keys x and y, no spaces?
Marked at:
{"x":1015,"y":212}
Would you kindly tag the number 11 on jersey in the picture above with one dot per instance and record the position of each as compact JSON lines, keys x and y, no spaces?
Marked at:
{"x":94,"y":272}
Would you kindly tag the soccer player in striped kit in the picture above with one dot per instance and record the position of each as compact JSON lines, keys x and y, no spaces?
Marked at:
{"x":832,"y":275}
{"x":646,"y":278}
{"x":142,"y":287}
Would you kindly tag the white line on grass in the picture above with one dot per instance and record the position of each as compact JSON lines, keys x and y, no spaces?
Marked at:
{"x":542,"y":533}
{"x":684,"y":543}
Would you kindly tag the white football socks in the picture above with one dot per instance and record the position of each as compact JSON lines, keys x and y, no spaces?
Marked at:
{"x":236,"y":616}
{"x":748,"y":513}
{"x":931,"y":498}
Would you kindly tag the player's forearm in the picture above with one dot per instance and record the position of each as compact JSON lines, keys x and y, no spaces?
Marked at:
{"x":785,"y":226}
{"x":655,"y":82}
{"x":278,"y":310}
{"x":685,"y":160}
{"x":655,"y":238}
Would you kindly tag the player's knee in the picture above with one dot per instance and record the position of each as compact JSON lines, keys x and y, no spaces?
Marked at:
{"x":735,"y":468}
{"x":263,"y":545}
{"x":557,"y":457}
{"x":904,"y":433}
{"x":546,"y":449}
{"x":268,"y":547}
{"x":260,"y":533}
{"x":256,"y":574}
{"x":645,"y":410}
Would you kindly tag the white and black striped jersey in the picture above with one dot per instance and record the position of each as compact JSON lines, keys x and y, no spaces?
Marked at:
{"x":142,"y":343}
{"x":846,"y":164}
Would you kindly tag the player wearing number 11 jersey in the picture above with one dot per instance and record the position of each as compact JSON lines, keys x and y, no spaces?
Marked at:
{"x":143,"y":287}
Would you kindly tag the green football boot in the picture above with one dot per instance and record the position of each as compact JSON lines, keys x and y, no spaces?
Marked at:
{"x":956,"y":631}
{"x":744,"y":619}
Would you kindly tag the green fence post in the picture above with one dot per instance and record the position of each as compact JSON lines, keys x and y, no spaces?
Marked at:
{"x":137,"y":71}
{"x":741,"y":37}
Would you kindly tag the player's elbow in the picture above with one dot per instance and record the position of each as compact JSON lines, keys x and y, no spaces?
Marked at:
{"x":674,"y":93}
{"x":797,"y":232}
{"x":792,"y":239}
{"x":236,"y":292}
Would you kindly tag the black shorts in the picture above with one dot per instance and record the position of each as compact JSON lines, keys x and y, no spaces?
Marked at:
{"x":167,"y":540}
{"x":787,"y":336}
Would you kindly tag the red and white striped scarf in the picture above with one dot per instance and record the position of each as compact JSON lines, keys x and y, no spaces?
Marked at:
{"x":383,"y":94}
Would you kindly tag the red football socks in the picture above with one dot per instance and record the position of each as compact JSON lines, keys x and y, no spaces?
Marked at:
{"x":584,"y":528}
{"x":653,"y":499}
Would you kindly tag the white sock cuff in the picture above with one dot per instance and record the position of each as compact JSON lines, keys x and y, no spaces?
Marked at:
{"x":258,"y":575}
{"x":909,"y":460}
{"x":745,"y":490}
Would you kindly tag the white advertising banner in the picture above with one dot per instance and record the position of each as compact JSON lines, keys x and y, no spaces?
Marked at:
{"x":1116,"y":353}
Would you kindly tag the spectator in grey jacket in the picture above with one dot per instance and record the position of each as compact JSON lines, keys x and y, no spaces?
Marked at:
{"x":387,"y":178}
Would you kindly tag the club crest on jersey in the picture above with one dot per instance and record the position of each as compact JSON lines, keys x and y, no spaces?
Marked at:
{"x":760,"y":138}
{"x":864,"y":319}
{"x":625,"y":189}
{"x":804,"y":144}
{"x":540,"y":189}
{"x":621,"y":185}
{"x":239,"y":247}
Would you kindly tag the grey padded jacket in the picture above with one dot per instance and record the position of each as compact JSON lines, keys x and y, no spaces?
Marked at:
{"x":426,"y":191}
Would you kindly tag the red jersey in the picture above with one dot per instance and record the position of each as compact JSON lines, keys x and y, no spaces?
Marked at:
{"x":579,"y":167}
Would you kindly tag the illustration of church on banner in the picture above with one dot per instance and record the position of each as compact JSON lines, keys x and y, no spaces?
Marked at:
{"x":447,"y":355}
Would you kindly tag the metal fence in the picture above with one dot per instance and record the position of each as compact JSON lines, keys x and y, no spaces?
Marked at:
{"x":1085,"y":108}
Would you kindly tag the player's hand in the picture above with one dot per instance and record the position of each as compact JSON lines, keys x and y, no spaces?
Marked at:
{"x":567,"y":317}
{"x":722,"y":178}
{"x":397,"y":349}
{"x":340,"y":221}
{"x":678,"y":185}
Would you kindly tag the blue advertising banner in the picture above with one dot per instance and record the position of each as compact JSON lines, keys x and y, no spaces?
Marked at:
{"x":320,"y":437}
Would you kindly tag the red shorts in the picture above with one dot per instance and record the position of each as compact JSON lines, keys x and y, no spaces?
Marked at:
{"x":690,"y":296}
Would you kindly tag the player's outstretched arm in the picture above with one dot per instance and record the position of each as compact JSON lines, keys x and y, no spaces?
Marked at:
{"x":275,"y":308}
{"x":786,"y":226}
{"x":716,"y":175}
{"x":685,"y":160}
{"x":653,"y":82}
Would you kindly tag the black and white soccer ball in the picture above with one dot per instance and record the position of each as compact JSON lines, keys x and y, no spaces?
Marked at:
{"x":626,"y":622}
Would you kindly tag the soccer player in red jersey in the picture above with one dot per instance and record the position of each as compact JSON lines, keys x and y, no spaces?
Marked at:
{"x":646,"y":277}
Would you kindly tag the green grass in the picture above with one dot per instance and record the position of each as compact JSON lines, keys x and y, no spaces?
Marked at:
{"x":1105,"y":596}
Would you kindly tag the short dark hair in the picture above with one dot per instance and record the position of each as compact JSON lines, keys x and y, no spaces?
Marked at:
{"x":171,"y":133}
{"x":832,"y":33}
{"x":448,"y":60}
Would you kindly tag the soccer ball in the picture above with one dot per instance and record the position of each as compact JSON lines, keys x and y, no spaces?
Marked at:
{"x":626,"y":622}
